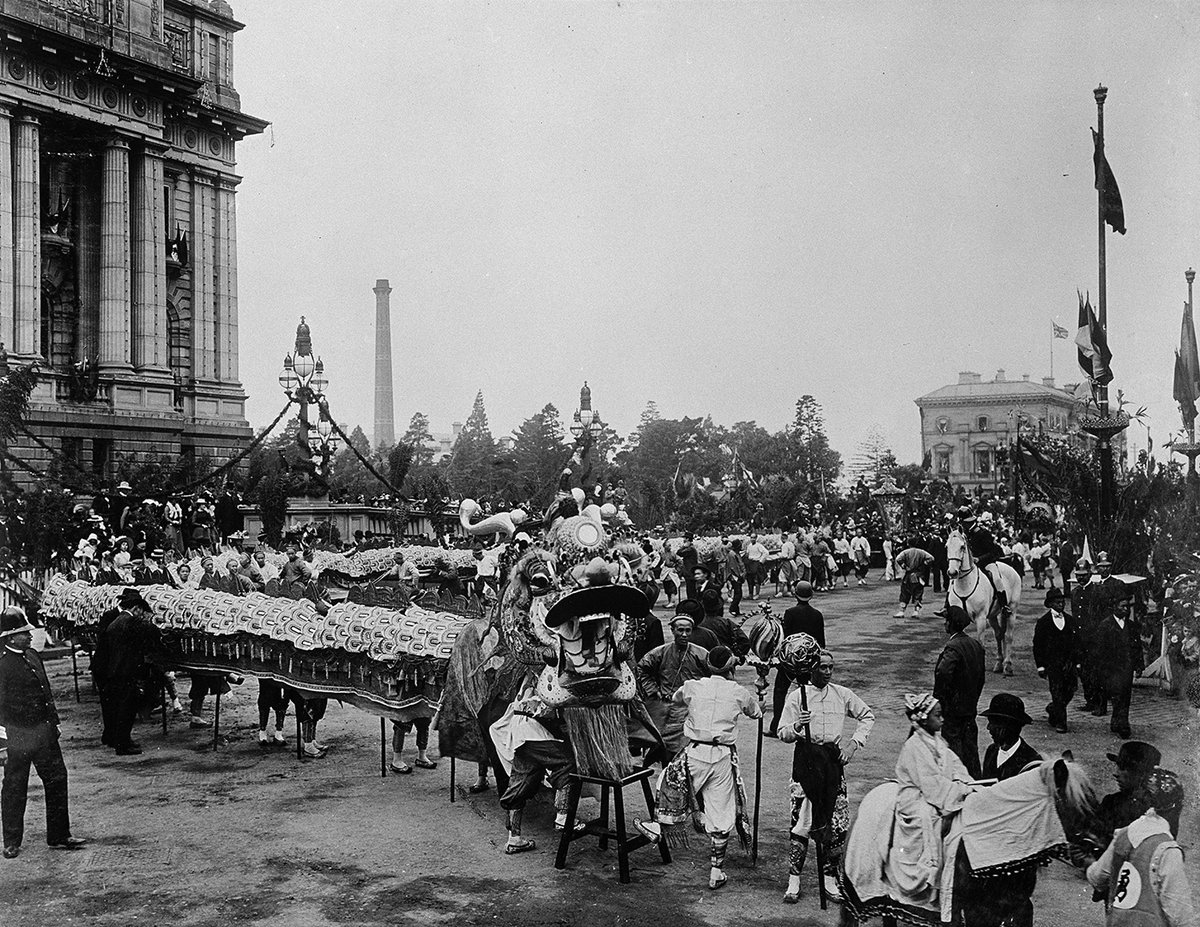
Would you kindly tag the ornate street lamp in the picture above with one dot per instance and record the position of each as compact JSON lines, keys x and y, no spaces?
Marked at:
{"x":303,"y":380}
{"x":586,"y":424}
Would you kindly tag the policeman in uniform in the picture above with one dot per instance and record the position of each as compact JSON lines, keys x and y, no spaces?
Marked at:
{"x":28,"y":714}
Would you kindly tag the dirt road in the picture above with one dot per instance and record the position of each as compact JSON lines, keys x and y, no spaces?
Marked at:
{"x":191,"y":837}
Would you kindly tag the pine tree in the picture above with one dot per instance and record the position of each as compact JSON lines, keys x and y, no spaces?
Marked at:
{"x":539,"y":451}
{"x":419,"y":439}
{"x":817,"y":465}
{"x":874,"y":461}
{"x":469,"y":470}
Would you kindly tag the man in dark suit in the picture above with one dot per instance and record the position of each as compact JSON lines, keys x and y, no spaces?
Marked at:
{"x":957,"y":683}
{"x":1056,"y":656}
{"x":1008,"y":753}
{"x":801,"y":618}
{"x":1117,"y":656}
{"x":30,"y":718}
{"x":120,"y":669}
{"x":1135,"y":761}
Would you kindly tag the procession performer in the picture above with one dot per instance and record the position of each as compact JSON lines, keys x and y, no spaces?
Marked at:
{"x":801,"y":618}
{"x":662,"y":671}
{"x":404,"y":572}
{"x":30,"y":719}
{"x":934,"y":783}
{"x":818,"y":789}
{"x":914,"y":564}
{"x":707,"y":768}
{"x":1142,"y":872}
{"x":1056,"y":655}
{"x":532,"y":746}
{"x":957,"y":684}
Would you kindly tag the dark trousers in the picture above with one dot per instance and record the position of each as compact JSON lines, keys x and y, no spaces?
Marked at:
{"x":1093,"y":686}
{"x":1120,"y":695}
{"x":36,"y":746}
{"x":735,"y":601}
{"x":783,"y":682}
{"x":689,"y":584}
{"x":533,"y":763}
{"x":118,"y":707}
{"x":962,"y":735}
{"x":401,"y":728}
{"x":1062,"y":690}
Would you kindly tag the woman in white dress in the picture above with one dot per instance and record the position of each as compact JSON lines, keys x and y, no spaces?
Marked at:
{"x":933,"y":785}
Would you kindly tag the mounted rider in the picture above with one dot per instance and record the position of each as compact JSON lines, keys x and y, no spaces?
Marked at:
{"x":984,"y":550}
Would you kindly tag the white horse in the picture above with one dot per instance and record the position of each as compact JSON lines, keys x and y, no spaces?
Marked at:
{"x":974,"y":593}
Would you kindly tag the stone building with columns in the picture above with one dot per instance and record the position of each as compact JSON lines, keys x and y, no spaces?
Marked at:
{"x":963,"y":424}
{"x":118,"y":230}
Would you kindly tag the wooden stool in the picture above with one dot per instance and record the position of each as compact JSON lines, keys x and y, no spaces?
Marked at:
{"x":625,"y":842}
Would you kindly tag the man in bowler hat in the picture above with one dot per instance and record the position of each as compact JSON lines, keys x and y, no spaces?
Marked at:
{"x":1008,"y":753}
{"x":30,"y":718}
{"x":1056,"y":656}
{"x":1135,"y":761}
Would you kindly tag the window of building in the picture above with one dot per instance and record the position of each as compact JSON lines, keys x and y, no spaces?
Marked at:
{"x":983,"y":461}
{"x":214,"y":57}
{"x":983,"y":423}
{"x":943,"y":462}
{"x":72,"y":450}
{"x":101,"y":452}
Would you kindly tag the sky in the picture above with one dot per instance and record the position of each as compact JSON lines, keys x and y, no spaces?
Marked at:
{"x":716,"y":206}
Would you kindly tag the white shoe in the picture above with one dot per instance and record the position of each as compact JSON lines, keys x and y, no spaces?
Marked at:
{"x":263,"y":738}
{"x":311,"y":750}
{"x":320,"y":746}
{"x":832,"y":892}
{"x":278,"y":738}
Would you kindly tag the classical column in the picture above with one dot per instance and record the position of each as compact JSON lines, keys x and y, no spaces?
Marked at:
{"x":226,"y":281}
{"x":149,"y":265}
{"x":203,"y":320}
{"x":115,"y":323}
{"x":27,"y":239}
{"x":87,"y":262}
{"x":6,"y":230}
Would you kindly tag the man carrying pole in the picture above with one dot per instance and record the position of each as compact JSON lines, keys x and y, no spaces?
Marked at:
{"x":813,"y":718}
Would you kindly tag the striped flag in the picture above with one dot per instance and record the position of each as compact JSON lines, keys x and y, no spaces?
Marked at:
{"x":1059,"y":331}
{"x":1095,"y":359}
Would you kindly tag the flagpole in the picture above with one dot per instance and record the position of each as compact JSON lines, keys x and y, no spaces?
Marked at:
{"x":1052,"y":339}
{"x":1104,"y":445}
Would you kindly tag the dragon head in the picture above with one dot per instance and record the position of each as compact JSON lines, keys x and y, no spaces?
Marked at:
{"x":594,"y":626}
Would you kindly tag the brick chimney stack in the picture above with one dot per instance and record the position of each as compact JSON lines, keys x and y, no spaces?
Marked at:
{"x":385,"y":417}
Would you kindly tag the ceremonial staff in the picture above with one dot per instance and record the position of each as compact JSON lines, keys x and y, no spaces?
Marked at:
{"x":760,"y":689}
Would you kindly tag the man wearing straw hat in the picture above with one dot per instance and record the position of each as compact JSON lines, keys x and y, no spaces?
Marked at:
{"x":28,"y":714}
